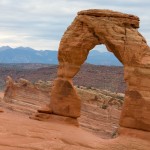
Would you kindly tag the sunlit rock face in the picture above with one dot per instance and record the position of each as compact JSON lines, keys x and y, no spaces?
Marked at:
{"x":119,"y":33}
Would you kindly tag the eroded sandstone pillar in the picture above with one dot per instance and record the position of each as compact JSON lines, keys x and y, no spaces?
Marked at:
{"x":119,"y":33}
{"x":73,"y":50}
{"x":136,"y":109}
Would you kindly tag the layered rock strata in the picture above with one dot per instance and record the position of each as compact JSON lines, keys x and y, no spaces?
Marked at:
{"x":25,"y":96}
{"x":100,"y":110}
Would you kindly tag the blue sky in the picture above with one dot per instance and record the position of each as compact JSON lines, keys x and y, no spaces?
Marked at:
{"x":40,"y":24}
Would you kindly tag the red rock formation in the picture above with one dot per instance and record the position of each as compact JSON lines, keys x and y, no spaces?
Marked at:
{"x":25,"y":96}
{"x":119,"y":33}
{"x":100,"y":110}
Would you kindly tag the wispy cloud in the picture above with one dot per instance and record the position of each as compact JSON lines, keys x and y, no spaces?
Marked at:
{"x":41,"y":23}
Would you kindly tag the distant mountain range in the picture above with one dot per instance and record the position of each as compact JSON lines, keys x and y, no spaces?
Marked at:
{"x":29,"y":55}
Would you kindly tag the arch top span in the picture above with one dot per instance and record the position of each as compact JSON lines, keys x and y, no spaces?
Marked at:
{"x":108,"y":13}
{"x":119,"y":32}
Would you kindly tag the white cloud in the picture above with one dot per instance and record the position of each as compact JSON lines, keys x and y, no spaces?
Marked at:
{"x":41,"y":23}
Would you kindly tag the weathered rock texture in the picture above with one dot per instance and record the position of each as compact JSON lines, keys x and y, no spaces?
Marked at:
{"x":100,"y":110}
{"x":119,"y":33}
{"x":25,"y":96}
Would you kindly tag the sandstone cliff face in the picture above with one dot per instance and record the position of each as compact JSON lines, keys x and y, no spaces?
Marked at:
{"x":119,"y":33}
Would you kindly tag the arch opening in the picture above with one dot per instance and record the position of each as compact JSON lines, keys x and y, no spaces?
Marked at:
{"x":106,"y":74}
{"x":119,"y":33}
{"x":99,"y":55}
{"x":101,"y":90}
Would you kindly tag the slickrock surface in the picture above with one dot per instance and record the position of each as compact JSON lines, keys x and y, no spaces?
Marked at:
{"x":100,"y":110}
{"x":17,"y":132}
{"x":119,"y":33}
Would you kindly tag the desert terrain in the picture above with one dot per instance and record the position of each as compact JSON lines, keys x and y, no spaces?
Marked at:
{"x":83,"y":117}
{"x":97,"y":116}
{"x":100,"y":109}
{"x":99,"y":121}
{"x":19,"y":132}
{"x":101,"y":77}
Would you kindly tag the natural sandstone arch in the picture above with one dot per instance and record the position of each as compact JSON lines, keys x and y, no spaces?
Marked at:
{"x":119,"y":33}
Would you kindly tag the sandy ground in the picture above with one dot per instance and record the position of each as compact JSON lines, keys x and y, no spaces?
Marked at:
{"x":18,"y":132}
